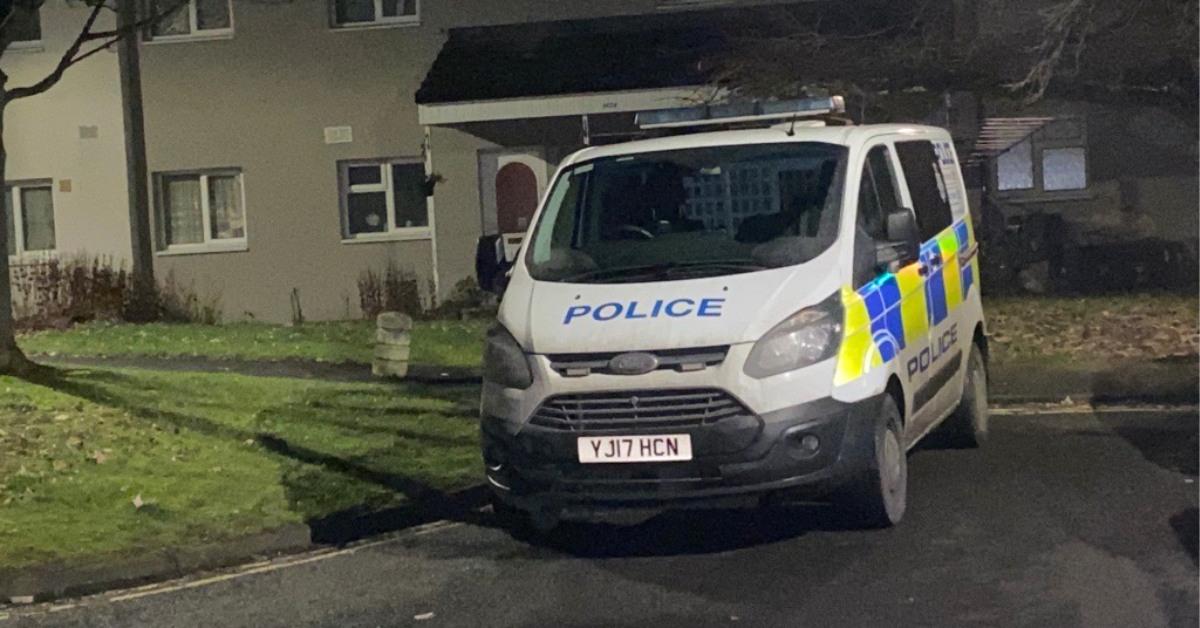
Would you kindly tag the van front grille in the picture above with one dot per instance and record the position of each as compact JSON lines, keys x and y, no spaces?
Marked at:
{"x":636,"y":411}
{"x":693,"y":359}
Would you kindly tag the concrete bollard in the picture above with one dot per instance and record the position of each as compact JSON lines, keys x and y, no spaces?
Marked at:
{"x":392,"y":344}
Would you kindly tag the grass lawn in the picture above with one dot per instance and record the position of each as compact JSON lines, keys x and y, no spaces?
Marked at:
{"x":448,"y":343}
{"x":1056,"y":328}
{"x":210,"y":456}
{"x":1091,"y":329}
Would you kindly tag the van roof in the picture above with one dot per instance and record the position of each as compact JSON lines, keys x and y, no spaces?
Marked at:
{"x":842,"y":135}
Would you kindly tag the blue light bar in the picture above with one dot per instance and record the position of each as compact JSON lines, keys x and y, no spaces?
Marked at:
{"x":750,"y":111}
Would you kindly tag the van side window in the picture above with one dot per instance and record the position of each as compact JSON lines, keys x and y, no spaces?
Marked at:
{"x":876,"y":199}
{"x":925,"y":186}
{"x":877,"y":193}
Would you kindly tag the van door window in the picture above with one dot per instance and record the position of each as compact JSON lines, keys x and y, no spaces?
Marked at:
{"x":877,"y":198}
{"x":926,"y":187}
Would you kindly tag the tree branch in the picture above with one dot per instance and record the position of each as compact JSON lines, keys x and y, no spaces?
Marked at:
{"x":86,"y":34}
{"x":64,"y":62}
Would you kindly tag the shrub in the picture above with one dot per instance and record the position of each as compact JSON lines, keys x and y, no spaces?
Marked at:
{"x":55,"y":293}
{"x":466,"y":300}
{"x":393,"y":290}
{"x":58,"y":292}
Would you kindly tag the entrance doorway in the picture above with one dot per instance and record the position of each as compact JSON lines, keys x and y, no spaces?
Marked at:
{"x":511,"y":183}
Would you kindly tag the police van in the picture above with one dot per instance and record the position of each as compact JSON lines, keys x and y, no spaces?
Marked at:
{"x":712,"y":319}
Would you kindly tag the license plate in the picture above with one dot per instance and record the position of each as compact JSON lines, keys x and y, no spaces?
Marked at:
{"x":651,"y":448}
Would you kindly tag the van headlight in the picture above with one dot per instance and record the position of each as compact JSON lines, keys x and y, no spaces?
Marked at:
{"x":806,"y":337}
{"x":504,"y":361}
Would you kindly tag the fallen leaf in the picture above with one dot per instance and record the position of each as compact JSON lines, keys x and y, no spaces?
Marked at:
{"x":98,"y":457}
{"x":138,"y":502}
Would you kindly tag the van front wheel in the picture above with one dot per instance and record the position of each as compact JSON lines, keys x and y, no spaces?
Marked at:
{"x":878,"y":496}
{"x":968,"y":425}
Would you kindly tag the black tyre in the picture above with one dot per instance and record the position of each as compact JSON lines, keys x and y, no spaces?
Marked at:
{"x":878,"y":496}
{"x":967,"y":426}
{"x":523,"y":525}
{"x":515,"y":521}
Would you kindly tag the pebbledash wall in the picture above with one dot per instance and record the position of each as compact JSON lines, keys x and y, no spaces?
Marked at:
{"x":70,"y":139}
{"x":283,"y":98}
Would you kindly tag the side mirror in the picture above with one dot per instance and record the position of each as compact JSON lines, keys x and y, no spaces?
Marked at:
{"x":903,"y":245}
{"x":902,"y":227}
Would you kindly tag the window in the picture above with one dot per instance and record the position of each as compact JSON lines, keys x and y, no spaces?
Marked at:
{"x":877,"y":195}
{"x":1014,"y":167}
{"x":351,"y":13}
{"x":194,"y":19}
{"x":1052,"y":159}
{"x":201,"y":211}
{"x":689,"y":213}
{"x":29,"y":216}
{"x":384,"y":198}
{"x":25,"y":30}
{"x":923,"y":173}
{"x":1064,"y":169}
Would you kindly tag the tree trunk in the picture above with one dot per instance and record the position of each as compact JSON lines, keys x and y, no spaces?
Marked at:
{"x":143,"y":304}
{"x":12,"y":360}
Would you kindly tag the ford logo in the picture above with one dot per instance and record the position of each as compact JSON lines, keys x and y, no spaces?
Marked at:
{"x":637,"y":363}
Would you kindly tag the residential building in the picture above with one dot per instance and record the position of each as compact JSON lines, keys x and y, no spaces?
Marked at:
{"x":289,"y":155}
{"x":66,"y":181}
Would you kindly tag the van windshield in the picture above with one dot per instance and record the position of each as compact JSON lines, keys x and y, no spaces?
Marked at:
{"x":689,"y":213}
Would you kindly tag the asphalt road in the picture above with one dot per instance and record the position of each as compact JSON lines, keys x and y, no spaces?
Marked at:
{"x":1078,"y":520}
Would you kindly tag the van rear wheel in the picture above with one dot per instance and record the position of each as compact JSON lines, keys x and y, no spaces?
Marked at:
{"x":878,"y":496}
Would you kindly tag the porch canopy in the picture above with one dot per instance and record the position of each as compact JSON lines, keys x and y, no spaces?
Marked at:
{"x":574,"y":67}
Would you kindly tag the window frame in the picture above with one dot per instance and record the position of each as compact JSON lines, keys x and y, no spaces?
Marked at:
{"x":18,"y":212}
{"x":210,"y":244}
{"x":379,"y":22}
{"x":196,"y":33}
{"x":1041,"y":141}
{"x":387,"y":186}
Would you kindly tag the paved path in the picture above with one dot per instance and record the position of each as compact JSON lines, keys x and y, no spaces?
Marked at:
{"x":1077,"y":520}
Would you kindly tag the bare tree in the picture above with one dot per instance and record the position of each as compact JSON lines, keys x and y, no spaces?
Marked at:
{"x":1111,"y":49}
{"x":89,"y":41}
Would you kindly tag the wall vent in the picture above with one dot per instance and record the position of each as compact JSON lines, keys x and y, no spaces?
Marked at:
{"x":338,"y":135}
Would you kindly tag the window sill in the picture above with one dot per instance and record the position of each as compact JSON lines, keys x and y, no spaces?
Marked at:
{"x":238,"y":246}
{"x":683,"y":5}
{"x":1035,"y":196}
{"x":395,"y":236}
{"x":369,"y":26}
{"x":183,"y":39}
{"x":26,"y":46}
{"x":32,"y":257}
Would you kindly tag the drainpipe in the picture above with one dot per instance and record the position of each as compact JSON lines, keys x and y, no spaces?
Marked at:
{"x":437,"y":280}
{"x":136,"y":177}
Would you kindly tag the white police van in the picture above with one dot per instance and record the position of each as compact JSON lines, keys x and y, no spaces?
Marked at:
{"x":711,"y":319}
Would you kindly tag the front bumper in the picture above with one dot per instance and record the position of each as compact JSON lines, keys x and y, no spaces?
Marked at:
{"x":737,"y":461}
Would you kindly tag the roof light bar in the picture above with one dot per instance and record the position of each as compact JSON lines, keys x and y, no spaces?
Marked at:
{"x":751,"y":111}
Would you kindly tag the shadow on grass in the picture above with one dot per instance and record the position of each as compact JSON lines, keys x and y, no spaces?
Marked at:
{"x":424,"y":503}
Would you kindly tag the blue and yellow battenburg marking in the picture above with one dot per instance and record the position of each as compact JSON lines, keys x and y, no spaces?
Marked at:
{"x":890,"y":313}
